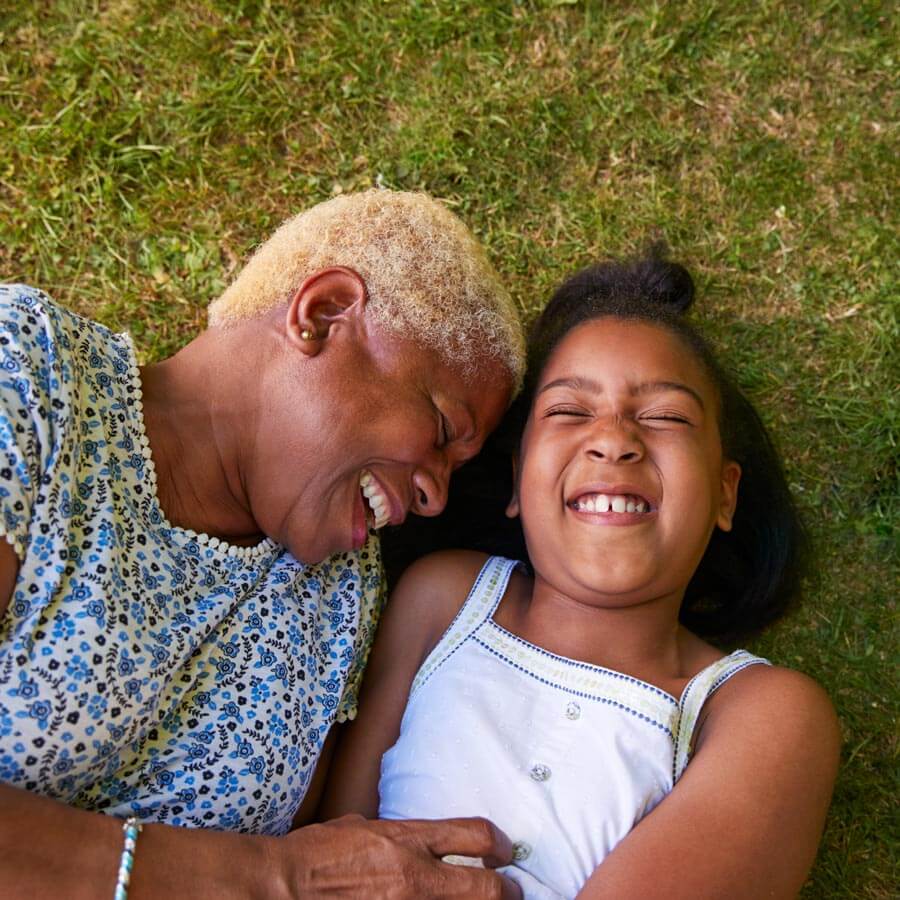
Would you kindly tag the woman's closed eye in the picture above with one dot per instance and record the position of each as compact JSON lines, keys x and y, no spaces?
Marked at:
{"x":445,"y":433}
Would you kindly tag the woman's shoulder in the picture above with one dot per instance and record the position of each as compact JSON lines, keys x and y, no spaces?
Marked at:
{"x":29,"y":310}
{"x":53,"y":342}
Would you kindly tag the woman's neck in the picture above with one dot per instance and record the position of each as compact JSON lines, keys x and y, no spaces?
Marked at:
{"x":191,"y":430}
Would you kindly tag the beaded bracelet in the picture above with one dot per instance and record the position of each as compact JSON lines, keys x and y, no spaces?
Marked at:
{"x":132,"y":829}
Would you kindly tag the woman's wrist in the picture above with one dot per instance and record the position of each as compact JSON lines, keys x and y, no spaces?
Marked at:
{"x":201,"y":863}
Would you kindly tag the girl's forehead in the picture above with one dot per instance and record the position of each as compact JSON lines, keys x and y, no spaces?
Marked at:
{"x":612,"y":348}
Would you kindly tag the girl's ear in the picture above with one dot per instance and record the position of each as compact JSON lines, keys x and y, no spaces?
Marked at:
{"x":512,"y":508}
{"x":731,"y":476}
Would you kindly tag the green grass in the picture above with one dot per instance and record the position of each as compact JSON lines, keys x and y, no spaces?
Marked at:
{"x":146,"y":147}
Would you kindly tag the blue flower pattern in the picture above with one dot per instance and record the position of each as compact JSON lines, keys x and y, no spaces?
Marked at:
{"x":146,"y":670}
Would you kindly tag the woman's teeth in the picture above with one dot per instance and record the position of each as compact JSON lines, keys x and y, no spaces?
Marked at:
{"x":379,"y":507}
{"x":617,"y":503}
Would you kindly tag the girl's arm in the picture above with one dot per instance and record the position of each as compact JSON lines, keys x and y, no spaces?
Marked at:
{"x":421,"y":608}
{"x":745,"y":819}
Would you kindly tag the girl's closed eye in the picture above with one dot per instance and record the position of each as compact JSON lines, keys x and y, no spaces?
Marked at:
{"x":668,"y":416}
{"x":573,"y":411}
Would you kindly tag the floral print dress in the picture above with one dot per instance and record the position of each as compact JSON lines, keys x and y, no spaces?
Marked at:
{"x":144,"y":669}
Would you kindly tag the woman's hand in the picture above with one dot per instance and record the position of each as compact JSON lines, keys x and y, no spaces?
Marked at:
{"x":48,"y":849}
{"x":353,"y":856}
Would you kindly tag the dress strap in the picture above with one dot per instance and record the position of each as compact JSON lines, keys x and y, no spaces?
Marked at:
{"x":699,"y":689}
{"x":483,"y":599}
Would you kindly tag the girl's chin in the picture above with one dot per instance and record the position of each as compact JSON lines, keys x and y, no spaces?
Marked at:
{"x":602,"y":586}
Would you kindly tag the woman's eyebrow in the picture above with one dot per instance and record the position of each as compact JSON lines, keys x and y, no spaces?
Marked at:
{"x":647,"y":387}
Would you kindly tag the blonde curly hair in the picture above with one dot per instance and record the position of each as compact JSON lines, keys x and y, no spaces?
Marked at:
{"x":425,"y":274}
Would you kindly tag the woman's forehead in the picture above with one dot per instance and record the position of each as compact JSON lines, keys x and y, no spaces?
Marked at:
{"x":478,"y":387}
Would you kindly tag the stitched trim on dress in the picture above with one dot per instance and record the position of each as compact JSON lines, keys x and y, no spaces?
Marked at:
{"x":587,"y":694}
{"x":250,"y":554}
{"x":479,"y":606}
{"x":713,"y":676}
{"x":600,"y":671}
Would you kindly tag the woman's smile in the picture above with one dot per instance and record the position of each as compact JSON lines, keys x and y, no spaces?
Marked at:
{"x":374,"y":507}
{"x":379,"y":508}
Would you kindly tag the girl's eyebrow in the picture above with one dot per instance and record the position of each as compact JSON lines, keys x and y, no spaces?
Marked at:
{"x":646,"y":387}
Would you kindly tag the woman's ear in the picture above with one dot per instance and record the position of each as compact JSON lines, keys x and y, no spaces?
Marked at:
{"x":325,"y":298}
{"x":728,"y":494}
{"x":512,"y":508}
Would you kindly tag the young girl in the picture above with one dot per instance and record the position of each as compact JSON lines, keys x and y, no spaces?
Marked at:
{"x":574,"y":702}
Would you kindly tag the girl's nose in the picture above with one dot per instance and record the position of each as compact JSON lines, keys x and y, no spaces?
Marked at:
{"x":615,"y":441}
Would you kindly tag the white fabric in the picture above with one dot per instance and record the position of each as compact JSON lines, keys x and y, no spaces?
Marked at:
{"x":565,"y":757}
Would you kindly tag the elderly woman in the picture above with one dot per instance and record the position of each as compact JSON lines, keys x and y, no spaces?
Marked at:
{"x":190,"y":576}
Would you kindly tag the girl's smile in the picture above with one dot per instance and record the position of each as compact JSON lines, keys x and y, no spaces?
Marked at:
{"x":612,"y":504}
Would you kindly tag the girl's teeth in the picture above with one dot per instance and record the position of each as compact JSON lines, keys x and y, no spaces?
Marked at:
{"x":601,"y":503}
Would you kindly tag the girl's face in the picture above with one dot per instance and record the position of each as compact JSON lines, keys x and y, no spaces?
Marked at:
{"x":621,"y":477}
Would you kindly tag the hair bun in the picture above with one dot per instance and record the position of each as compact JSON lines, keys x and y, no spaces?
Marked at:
{"x":661,"y":281}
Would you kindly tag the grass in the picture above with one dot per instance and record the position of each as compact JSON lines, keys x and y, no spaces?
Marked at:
{"x":146,"y":147}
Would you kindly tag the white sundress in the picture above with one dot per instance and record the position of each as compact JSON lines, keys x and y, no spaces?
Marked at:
{"x":564,"y":756}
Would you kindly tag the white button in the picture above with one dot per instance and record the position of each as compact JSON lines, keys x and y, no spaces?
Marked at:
{"x":520,"y":851}
{"x":573,"y":711}
{"x":540,"y":772}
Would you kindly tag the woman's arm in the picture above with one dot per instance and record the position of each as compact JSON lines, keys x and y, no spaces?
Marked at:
{"x":745,"y":819}
{"x":424,"y":603}
{"x":9,"y":570}
{"x":48,"y":849}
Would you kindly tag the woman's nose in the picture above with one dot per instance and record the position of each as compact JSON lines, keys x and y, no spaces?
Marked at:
{"x":615,"y":441}
{"x":431,"y":484}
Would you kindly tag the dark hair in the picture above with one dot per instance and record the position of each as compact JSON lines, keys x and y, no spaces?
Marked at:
{"x":748,"y":576}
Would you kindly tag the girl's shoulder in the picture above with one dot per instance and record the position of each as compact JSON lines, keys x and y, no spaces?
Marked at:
{"x":444,"y":570}
{"x":791,"y":706}
{"x":772,"y":685}
{"x":435,"y":586}
{"x":433,"y":589}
